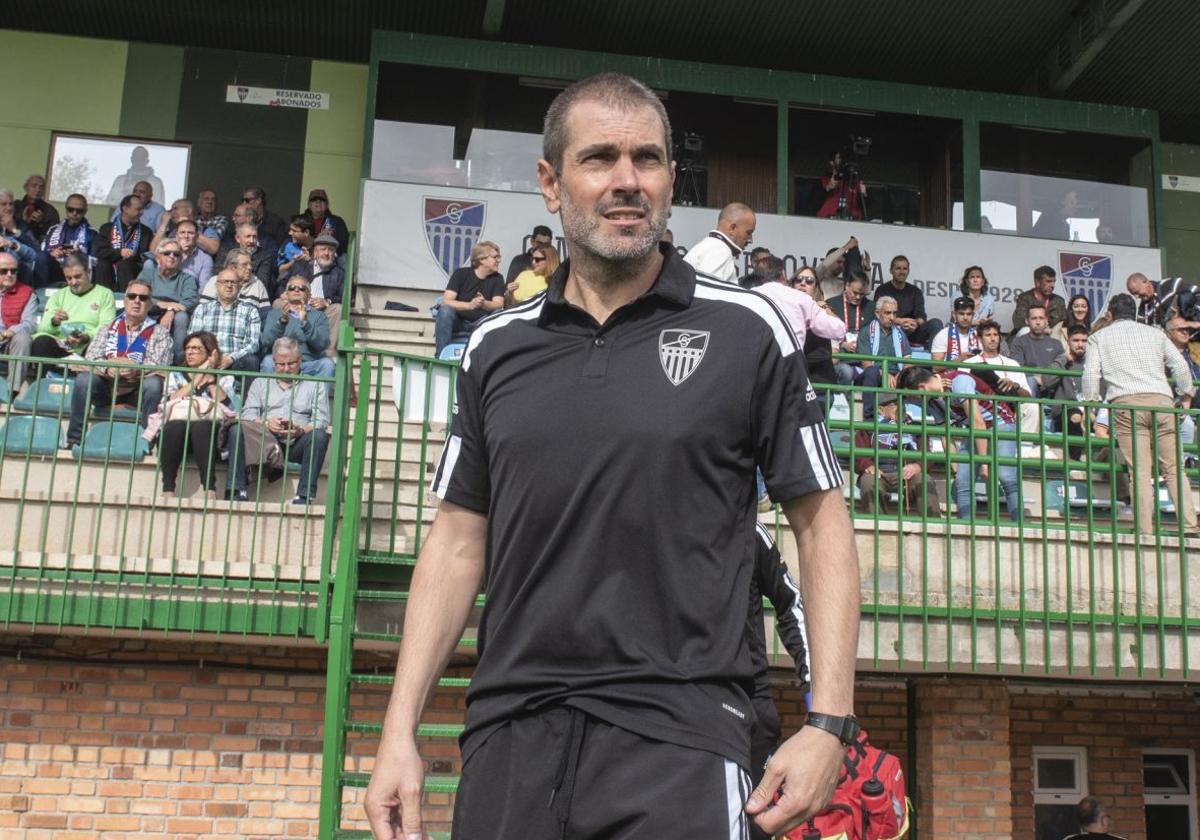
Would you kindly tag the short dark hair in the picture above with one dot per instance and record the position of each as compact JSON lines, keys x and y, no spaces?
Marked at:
{"x":257,"y":192}
{"x":1034,"y":306}
{"x":912,"y":378}
{"x":964,"y":304}
{"x":858,"y":276}
{"x":542,"y":230}
{"x":1088,"y":811}
{"x":1122,"y":307}
{"x":613,"y":89}
{"x":80,"y":196}
{"x":1077,"y":329}
{"x":754,"y":252}
{"x":303,"y":222}
{"x":769,"y":272}
{"x":897,"y":259}
{"x":1044,"y":271}
{"x":183,"y":222}
{"x":985,"y":326}
{"x":127,"y":200}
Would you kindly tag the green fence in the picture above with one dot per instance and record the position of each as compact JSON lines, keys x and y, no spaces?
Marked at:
{"x":93,"y":541}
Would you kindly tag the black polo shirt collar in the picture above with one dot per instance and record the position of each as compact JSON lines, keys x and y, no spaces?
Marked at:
{"x":675,"y":285}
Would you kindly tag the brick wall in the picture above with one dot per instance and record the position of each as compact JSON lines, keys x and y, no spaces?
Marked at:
{"x":1114,"y":728}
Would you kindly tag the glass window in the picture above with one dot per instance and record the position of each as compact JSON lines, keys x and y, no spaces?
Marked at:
{"x":1059,"y":774}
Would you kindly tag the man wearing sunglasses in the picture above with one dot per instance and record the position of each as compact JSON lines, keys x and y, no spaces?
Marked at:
{"x":301,"y":322}
{"x":73,"y":235}
{"x":175,"y":293}
{"x":133,"y":337}
{"x":18,"y":318}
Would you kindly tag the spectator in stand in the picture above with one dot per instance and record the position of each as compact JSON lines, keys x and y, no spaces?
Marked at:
{"x":73,"y":314}
{"x":1029,"y":412}
{"x":883,"y":471}
{"x":1068,"y":389}
{"x":522,"y":262}
{"x":545,"y":261}
{"x":18,"y":318}
{"x":152,"y":211}
{"x":270,"y":225}
{"x":262,"y":260}
{"x":17,"y":239}
{"x":301,"y":322}
{"x":131,"y":337}
{"x":1042,"y":294}
{"x":996,"y":413}
{"x":1128,"y":362}
{"x":37,"y":213}
{"x":294,"y":412}
{"x":854,"y":308}
{"x":839,"y":264}
{"x":1079,"y":312}
{"x":175,"y":294}
{"x":717,"y":253}
{"x":1094,"y":821}
{"x":960,"y":339}
{"x":210,"y":225}
{"x":195,"y":262}
{"x":910,"y":304}
{"x":250,"y":288}
{"x":1036,"y":348}
{"x":119,"y":245}
{"x":802,"y":312}
{"x":1185,"y":335}
{"x":758,"y":259}
{"x":974,"y":285}
{"x":1159,"y":302}
{"x":818,"y":352}
{"x":234,"y":321}
{"x":189,"y":396}
{"x":71,"y":236}
{"x":181,"y":209}
{"x":885,"y":338}
{"x":325,"y":222}
{"x":297,"y":248}
{"x":846,"y":193}
{"x":325,"y":281}
{"x":473,"y":292}
{"x":244,"y":214}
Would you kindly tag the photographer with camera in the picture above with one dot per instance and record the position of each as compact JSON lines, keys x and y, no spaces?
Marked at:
{"x":845,"y":192}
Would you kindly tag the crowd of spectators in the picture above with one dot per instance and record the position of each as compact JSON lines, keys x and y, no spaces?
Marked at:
{"x":185,"y":286}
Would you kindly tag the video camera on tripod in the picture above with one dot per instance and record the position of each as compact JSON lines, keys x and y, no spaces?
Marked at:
{"x":845,"y":170}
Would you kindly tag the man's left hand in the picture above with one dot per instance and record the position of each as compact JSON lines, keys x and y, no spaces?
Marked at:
{"x":910,"y":471}
{"x":318,"y":303}
{"x":804,"y":772}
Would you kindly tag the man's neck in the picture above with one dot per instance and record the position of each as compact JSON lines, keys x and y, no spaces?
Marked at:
{"x":600,"y":287}
{"x":985,"y":354}
{"x":227,"y":304}
{"x":1037,"y":336}
{"x":134,"y":325}
{"x":899,"y":284}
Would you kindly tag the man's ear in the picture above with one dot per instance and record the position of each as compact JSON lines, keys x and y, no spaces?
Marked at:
{"x":547,"y":178}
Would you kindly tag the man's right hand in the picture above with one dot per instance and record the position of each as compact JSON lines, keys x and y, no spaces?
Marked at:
{"x":393,"y":800}
{"x":126,"y":253}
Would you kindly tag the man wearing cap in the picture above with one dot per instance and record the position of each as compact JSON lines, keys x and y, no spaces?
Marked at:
{"x":325,"y":277}
{"x":326,"y":222}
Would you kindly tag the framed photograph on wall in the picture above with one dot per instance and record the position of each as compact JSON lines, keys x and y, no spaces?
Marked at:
{"x":105,"y":169}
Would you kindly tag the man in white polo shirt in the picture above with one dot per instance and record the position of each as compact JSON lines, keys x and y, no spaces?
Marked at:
{"x":717,"y":253}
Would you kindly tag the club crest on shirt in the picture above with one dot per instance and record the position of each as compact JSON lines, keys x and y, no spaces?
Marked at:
{"x":680,"y":352}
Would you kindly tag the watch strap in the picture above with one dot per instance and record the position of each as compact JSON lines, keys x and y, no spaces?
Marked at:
{"x":845,"y":729}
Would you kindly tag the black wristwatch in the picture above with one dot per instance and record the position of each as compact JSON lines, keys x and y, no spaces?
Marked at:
{"x":845,"y":729}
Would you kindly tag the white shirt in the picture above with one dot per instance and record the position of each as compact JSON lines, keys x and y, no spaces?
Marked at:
{"x":942,"y":340}
{"x":715,"y":256}
{"x":1003,"y":361}
{"x":803,"y":313}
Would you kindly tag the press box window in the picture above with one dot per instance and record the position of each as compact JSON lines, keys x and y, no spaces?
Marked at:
{"x":1059,"y":782}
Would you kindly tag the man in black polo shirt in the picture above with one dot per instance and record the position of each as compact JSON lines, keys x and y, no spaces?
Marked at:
{"x":910,"y":304}
{"x":600,"y":469}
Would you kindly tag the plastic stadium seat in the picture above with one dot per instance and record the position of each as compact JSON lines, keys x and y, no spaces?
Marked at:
{"x":32,"y":435}
{"x":452,"y":352}
{"x":112,"y":441}
{"x":50,"y":395}
{"x":119,"y":412}
{"x":5,"y":392}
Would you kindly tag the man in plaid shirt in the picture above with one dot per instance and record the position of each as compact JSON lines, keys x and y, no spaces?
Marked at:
{"x":234,"y":321}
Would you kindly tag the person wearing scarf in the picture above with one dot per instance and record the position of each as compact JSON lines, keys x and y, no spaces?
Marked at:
{"x":134,"y":338}
{"x":325,"y":222}
{"x":884,"y":338}
{"x":120,"y":244}
{"x":960,"y":338}
{"x":18,"y":317}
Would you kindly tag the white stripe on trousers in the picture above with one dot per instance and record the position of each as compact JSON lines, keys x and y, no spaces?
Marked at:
{"x":737,"y":791}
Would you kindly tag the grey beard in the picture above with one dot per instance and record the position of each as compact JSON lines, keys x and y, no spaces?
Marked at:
{"x":582,"y":231}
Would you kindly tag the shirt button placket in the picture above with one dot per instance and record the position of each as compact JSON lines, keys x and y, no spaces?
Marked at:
{"x":597,"y":361}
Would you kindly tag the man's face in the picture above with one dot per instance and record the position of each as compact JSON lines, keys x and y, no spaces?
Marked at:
{"x":247,"y":237}
{"x":6,"y":206}
{"x":76,"y":209}
{"x":490,"y":261}
{"x":854,"y":292}
{"x":1045,"y":284}
{"x":243,"y":214}
{"x":743,"y":234}
{"x":181,"y":210}
{"x":241,"y":267}
{"x":137,"y":300}
{"x":614,"y":190}
{"x":962,"y":318}
{"x":886,"y":316}
{"x":317,"y":206}
{"x":888,"y":411}
{"x":1070,"y":203}
{"x":325,"y":255}
{"x":144,"y":191}
{"x":186,"y":236}
{"x":206,"y":202}
{"x":297,"y":291}
{"x":286,"y":361}
{"x":540,"y":240}
{"x":249,"y":197}
{"x":76,"y":279}
{"x":900,"y":272}
{"x":228,"y":287}
{"x":1137,"y":286}
{"x":132,"y":212}
{"x":990,"y":340}
{"x":1037,"y":321}
{"x":169,"y":257}
{"x":1077,"y":345}
{"x":8,"y":271}
{"x":35,"y":187}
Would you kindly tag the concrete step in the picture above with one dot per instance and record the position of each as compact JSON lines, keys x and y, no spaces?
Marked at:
{"x":400,"y":323}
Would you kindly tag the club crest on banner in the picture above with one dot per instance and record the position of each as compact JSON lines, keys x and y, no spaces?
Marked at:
{"x":452,"y":227}
{"x":242,"y":93}
{"x":680,"y":352}
{"x":1089,"y":275}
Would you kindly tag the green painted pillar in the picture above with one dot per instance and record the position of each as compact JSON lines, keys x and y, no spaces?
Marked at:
{"x":1158,"y":223}
{"x":970,"y":164}
{"x":781,"y":157}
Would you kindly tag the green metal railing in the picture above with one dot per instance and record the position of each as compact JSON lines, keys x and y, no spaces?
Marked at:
{"x":94,"y":543}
